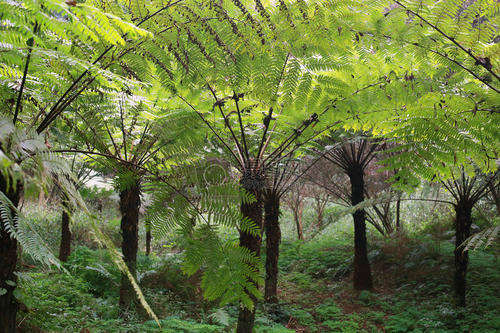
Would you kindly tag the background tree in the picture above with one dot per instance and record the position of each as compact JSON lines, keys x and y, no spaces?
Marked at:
{"x":82,"y":174}
{"x":281,"y":182}
{"x":327,"y":177}
{"x":466,"y":192}
{"x":353,"y":157}
{"x":320,"y":198}
{"x":295,"y":202}
{"x":118,"y":134}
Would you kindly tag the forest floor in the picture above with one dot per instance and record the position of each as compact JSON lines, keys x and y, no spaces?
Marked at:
{"x":412,"y":292}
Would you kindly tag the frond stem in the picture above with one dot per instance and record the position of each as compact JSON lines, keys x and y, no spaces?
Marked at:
{"x":30,"y":43}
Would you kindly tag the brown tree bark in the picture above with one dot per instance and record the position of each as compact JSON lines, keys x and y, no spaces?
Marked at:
{"x":398,"y":214}
{"x":148,"y":242}
{"x":8,"y":260}
{"x":463,"y":221}
{"x":297,"y":216}
{"x":130,"y":202}
{"x":65,"y":245}
{"x":273,"y":239}
{"x":319,"y":217}
{"x":252,"y":211}
{"x":320,"y":201}
{"x":362,"y":273}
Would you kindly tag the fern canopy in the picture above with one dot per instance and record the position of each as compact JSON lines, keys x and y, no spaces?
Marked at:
{"x":185,"y":95}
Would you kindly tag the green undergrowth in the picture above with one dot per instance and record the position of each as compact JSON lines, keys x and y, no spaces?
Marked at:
{"x":412,"y":292}
{"x":412,"y":279}
{"x":86,"y":297}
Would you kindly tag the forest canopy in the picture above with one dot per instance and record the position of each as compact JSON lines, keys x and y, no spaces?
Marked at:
{"x":197,"y":166}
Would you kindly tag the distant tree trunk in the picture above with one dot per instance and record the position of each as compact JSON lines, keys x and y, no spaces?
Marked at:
{"x":65,"y":246}
{"x":297,"y":216}
{"x":148,"y":241}
{"x":320,"y":209}
{"x":362,"y":272}
{"x":8,"y":260}
{"x":463,"y":221}
{"x":496,"y":196}
{"x":320,"y":217}
{"x":130,"y":201}
{"x":398,"y":214}
{"x":41,"y":199}
{"x":252,"y":211}
{"x":385,"y":218}
{"x":273,"y":239}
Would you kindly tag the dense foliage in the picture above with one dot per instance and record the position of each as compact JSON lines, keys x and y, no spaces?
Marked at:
{"x":203,"y":120}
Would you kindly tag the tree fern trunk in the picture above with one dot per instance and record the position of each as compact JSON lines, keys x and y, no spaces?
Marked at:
{"x":252,"y":211}
{"x":8,"y":261}
{"x":65,"y":245}
{"x":273,"y":239}
{"x":362,"y":273}
{"x":463,"y":221}
{"x":130,"y":202}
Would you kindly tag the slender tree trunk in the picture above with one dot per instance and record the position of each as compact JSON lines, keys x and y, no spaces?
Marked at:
{"x":398,"y":214}
{"x":496,"y":196}
{"x":130,"y":202}
{"x":273,"y":239}
{"x":297,"y":216}
{"x":362,"y":272}
{"x":65,"y":246}
{"x":252,"y":211}
{"x":387,"y":218}
{"x":148,"y":241}
{"x":320,"y":217}
{"x":41,"y":199}
{"x":320,"y":208}
{"x":8,"y":260}
{"x":385,"y":228}
{"x":463,"y":221}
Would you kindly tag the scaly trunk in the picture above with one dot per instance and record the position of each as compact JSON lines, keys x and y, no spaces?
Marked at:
{"x":252,"y":211}
{"x":273,"y":239}
{"x":65,"y":246}
{"x":148,"y":242}
{"x":463,"y":221}
{"x":8,"y":259}
{"x":362,"y":272}
{"x":130,"y":202}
